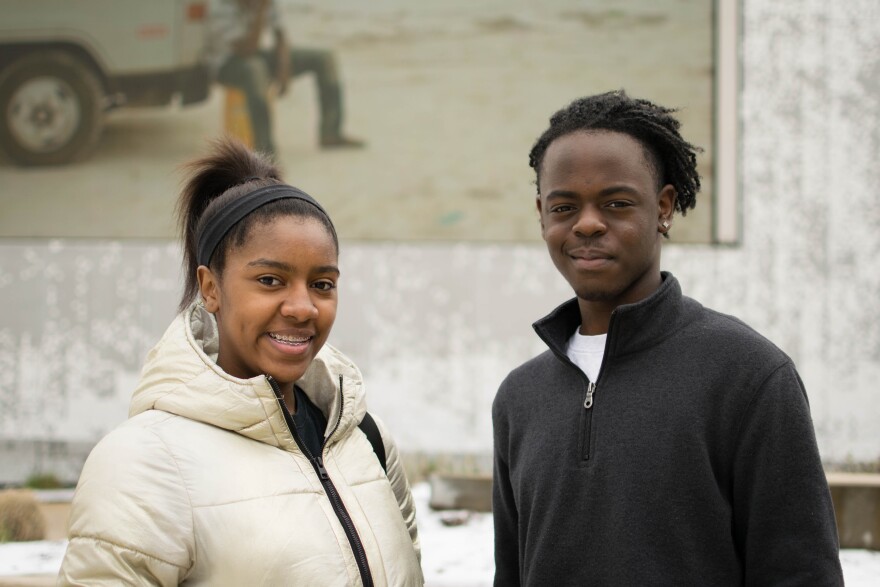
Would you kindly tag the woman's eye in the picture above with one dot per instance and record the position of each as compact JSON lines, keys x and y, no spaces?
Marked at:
{"x":324,"y":285}
{"x":269,"y":280}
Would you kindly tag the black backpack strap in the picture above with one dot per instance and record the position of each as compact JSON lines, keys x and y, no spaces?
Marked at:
{"x":371,"y":430}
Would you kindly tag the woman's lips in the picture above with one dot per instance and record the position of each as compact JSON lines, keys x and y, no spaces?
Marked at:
{"x":290,"y":344}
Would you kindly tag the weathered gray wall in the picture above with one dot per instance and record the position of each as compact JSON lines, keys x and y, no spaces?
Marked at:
{"x":435,"y":327}
{"x":807,"y":271}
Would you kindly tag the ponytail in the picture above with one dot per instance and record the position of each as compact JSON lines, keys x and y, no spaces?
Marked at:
{"x":227,"y":172}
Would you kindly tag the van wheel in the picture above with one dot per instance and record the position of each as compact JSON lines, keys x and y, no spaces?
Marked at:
{"x":50,"y":109}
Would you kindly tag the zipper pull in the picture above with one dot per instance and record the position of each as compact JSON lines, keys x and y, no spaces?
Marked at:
{"x":274,"y":386}
{"x":588,"y":401}
{"x":321,"y":470}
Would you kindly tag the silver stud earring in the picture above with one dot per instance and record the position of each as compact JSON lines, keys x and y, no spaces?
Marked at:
{"x":665,"y":225}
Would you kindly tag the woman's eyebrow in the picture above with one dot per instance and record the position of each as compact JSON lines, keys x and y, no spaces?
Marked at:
{"x":262,"y":262}
{"x":281,"y":266}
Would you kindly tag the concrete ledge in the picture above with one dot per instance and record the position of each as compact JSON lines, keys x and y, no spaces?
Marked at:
{"x":53,"y":495}
{"x":29,"y":581}
{"x":856,"y":498}
{"x":461,"y":492}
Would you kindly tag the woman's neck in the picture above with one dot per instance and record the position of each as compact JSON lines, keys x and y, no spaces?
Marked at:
{"x":289,"y":398}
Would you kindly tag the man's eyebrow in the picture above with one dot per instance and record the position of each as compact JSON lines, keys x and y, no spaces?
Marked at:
{"x":560,"y":194}
{"x":327,"y":269}
{"x":613,"y":189}
{"x":281,"y":266}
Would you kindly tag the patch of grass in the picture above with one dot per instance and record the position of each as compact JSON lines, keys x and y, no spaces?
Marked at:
{"x":43,"y":481}
{"x":20,"y":517}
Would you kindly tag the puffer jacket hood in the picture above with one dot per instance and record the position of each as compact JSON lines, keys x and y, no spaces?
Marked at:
{"x":196,"y":388}
{"x":205,"y":483}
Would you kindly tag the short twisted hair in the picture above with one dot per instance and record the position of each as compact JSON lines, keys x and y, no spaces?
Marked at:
{"x":674,"y":159}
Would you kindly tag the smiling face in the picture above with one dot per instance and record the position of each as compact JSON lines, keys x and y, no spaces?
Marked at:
{"x":275,"y":301}
{"x":601,"y":217}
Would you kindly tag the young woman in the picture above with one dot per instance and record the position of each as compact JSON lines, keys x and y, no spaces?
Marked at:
{"x":243,"y":462}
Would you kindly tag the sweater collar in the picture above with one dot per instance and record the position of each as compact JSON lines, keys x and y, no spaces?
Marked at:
{"x":633,"y":327}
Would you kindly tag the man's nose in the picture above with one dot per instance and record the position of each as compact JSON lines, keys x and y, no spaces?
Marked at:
{"x":590,"y":222}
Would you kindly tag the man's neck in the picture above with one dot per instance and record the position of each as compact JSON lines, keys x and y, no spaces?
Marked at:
{"x":596,"y":314}
{"x":595,"y":318}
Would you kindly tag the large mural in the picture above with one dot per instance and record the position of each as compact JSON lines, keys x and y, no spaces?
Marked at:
{"x":448,"y":97}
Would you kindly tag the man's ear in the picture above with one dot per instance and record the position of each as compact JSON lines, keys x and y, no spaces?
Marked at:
{"x":209,"y":288}
{"x":666,"y":204}
{"x":540,"y":215}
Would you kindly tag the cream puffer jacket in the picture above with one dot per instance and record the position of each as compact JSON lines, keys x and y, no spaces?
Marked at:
{"x":205,"y":484}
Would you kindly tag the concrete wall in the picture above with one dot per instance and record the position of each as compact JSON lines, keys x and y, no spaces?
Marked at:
{"x":435,"y":327}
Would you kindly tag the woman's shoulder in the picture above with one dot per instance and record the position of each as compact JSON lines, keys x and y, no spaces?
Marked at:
{"x":147,"y":448}
{"x":135,"y":447}
{"x":131,"y":499}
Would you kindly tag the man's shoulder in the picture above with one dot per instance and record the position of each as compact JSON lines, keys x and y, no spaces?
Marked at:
{"x":722,"y":332}
{"x":533,"y":373}
{"x":535,"y":367}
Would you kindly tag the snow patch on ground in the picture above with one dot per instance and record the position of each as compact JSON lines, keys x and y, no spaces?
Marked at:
{"x":42,"y":557}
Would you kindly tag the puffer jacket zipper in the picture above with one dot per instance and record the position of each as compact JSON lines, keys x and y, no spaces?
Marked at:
{"x":354,"y":540}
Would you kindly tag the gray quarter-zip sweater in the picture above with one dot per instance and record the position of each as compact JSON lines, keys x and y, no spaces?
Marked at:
{"x":695,"y":465}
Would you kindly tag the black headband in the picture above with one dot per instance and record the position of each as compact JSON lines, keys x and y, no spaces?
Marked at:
{"x":216,"y":227}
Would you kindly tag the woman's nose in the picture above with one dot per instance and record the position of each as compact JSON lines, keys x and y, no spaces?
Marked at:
{"x":298,"y":304}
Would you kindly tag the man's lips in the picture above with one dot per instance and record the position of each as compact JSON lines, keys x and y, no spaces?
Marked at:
{"x":589,"y":258}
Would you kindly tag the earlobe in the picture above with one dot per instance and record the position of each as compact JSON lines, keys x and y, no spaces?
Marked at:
{"x":208,"y":289}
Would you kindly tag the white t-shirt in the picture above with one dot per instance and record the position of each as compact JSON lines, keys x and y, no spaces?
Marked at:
{"x":586,"y":352}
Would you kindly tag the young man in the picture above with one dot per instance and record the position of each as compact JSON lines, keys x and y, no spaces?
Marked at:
{"x":237,"y":29}
{"x":657,"y":442}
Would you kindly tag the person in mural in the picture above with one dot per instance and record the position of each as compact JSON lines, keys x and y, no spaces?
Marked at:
{"x":246,"y":459}
{"x":236,"y":29}
{"x":656,"y":441}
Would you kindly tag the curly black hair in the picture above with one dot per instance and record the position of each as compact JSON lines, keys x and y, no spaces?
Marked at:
{"x":674,"y":159}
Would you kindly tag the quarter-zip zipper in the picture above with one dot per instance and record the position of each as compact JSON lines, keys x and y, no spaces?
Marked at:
{"x":592,"y":387}
{"x":587,"y":419}
{"x":588,"y":401}
{"x":354,"y":540}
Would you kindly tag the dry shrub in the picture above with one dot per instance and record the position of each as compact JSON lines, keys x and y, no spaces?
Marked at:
{"x":20,"y":517}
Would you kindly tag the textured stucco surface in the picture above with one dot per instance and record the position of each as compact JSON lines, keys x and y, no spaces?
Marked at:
{"x":806,"y":274}
{"x":435,"y":327}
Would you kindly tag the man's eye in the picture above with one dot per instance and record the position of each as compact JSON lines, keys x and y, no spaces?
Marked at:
{"x":324,"y":285}
{"x":561,"y":208}
{"x":619,"y":204}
